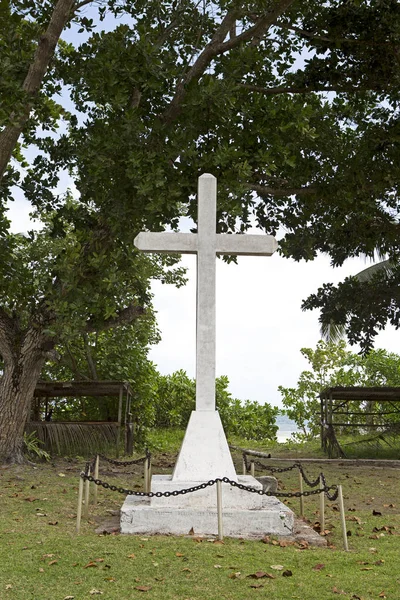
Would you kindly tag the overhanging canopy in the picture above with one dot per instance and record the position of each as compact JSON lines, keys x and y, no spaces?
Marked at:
{"x":379,"y":393}
{"x":56,"y":389}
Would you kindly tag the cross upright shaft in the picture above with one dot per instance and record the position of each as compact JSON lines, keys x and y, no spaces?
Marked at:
{"x":206,"y":295}
{"x":206,"y":244}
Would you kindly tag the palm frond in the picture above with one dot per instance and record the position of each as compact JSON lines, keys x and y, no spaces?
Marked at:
{"x":386,"y":266}
{"x":332,"y":332}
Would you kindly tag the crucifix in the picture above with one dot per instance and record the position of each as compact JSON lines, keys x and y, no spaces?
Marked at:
{"x":205,"y":451}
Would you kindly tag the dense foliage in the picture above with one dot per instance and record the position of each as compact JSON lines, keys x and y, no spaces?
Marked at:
{"x":176,"y":398}
{"x":333,"y":365}
{"x":143,"y":98}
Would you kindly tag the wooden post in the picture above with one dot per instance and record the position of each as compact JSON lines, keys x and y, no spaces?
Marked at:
{"x":96,"y":476}
{"x":244,"y":466}
{"x":87,"y":489}
{"x":219,"y":510}
{"x":145,"y":477}
{"x":149,"y":473}
{"x":342,"y":518}
{"x":121,"y":393}
{"x":252,"y":468}
{"x":301,"y":497}
{"x":322,"y":507}
{"x":79,"y":511}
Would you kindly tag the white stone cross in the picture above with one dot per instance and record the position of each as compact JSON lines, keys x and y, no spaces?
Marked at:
{"x":206,"y":244}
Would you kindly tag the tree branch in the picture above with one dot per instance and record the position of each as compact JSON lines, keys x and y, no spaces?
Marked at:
{"x":124,"y":317}
{"x":264,"y":190}
{"x":33,"y":80}
{"x":89,"y":357}
{"x":323,"y":38}
{"x":217,"y":46}
{"x":308,"y":90}
{"x":7,"y":333}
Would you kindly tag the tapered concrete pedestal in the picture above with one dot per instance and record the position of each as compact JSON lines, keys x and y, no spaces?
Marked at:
{"x":205,"y":456}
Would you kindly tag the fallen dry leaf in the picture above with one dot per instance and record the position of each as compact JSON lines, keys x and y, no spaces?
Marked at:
{"x":93,"y":592}
{"x":256,"y":585}
{"x":53,"y":522}
{"x":335,"y":590}
{"x":217,"y":566}
{"x":90,"y":564}
{"x":376,"y":513}
{"x":131,"y":556}
{"x":69,"y":597}
{"x":261,"y":575}
{"x":234,"y":575}
{"x":287,"y":573}
{"x":143,"y":588}
{"x":179,"y":554}
{"x":53,"y":562}
{"x":277,"y":567}
{"x":191,"y":532}
{"x":318,"y":567}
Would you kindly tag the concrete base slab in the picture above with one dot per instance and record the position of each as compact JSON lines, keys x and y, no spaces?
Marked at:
{"x":141,"y":518}
{"x":232,"y":496}
{"x":245,"y":514}
{"x":303,"y":534}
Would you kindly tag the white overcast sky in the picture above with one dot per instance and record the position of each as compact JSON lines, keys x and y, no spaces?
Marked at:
{"x":260,"y":326}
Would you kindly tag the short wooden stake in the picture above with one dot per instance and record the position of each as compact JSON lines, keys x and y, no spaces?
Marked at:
{"x":219,"y":510}
{"x":244,"y":466}
{"x":96,"y":476}
{"x":87,"y":490}
{"x":301,"y":497}
{"x":149,"y":475}
{"x":322,"y":507}
{"x":342,"y":518}
{"x":252,"y":468}
{"x":146,"y":476}
{"x":79,"y":511}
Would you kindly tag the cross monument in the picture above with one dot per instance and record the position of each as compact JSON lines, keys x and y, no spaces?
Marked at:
{"x":205,"y":453}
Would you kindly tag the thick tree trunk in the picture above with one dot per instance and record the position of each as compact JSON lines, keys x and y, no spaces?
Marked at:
{"x":22,"y":369}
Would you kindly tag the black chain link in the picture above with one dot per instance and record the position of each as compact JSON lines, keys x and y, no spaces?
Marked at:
{"x":298,"y":466}
{"x":126,"y":463}
{"x":202,"y":486}
{"x":320,"y":480}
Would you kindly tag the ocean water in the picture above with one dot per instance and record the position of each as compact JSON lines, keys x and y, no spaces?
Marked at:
{"x":286,"y":428}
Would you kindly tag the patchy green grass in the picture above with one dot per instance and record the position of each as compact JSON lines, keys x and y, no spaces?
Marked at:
{"x":42,"y":558}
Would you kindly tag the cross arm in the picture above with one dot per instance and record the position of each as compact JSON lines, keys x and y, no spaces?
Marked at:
{"x":182,"y":243}
{"x":261,"y":245}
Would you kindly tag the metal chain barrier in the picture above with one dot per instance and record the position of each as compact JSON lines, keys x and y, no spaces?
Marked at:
{"x":86,"y":477}
{"x":126,"y":463}
{"x":299,"y":466}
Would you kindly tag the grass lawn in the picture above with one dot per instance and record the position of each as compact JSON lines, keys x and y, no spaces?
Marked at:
{"x":42,"y":558}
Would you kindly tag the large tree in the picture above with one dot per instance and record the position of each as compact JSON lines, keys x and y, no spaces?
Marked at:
{"x":292,"y":105}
